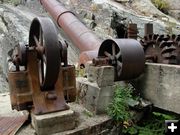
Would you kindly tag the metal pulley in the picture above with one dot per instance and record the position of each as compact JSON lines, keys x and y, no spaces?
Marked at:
{"x":43,"y":36}
{"x":126,"y":55}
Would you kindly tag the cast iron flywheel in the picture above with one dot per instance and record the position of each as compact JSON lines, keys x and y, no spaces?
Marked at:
{"x":43,"y":36}
{"x":126,"y":55}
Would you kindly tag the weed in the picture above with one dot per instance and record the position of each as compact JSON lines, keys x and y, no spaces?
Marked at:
{"x":119,"y":109}
{"x":151,"y":125}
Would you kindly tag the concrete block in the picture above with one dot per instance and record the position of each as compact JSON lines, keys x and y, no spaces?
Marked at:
{"x":93,"y":98}
{"x":53,"y":122}
{"x":103,"y":75}
{"x":160,"y":84}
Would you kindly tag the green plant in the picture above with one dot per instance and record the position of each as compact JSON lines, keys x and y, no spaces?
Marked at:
{"x":151,"y":125}
{"x":162,"y":5}
{"x":119,"y":109}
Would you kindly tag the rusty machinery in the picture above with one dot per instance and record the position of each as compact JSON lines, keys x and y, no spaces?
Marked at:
{"x":46,"y":79}
{"x":161,"y":48}
{"x":125,"y":54}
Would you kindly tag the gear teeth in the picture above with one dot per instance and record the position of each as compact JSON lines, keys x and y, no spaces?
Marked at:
{"x":168,"y":52}
{"x":162,"y":48}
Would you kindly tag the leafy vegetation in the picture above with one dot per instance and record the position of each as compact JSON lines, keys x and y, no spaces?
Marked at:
{"x":152,"y":125}
{"x":162,"y":5}
{"x":119,"y":109}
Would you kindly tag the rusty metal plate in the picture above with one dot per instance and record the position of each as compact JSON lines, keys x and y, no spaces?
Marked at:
{"x":10,"y":125}
{"x":41,"y":101}
{"x":20,"y":91}
{"x":132,"y":31}
{"x":68,"y":83}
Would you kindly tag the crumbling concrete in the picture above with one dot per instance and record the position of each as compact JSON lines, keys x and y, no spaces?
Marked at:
{"x":160,"y":85}
{"x":96,"y":92}
{"x":102,"y":76}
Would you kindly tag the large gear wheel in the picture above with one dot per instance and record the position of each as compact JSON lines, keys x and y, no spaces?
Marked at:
{"x":151,"y":48}
{"x":161,"y":48}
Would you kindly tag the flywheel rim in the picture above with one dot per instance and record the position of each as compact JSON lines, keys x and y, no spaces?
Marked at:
{"x":43,"y":36}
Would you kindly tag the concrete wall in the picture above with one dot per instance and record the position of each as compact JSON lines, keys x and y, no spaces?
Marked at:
{"x":160,"y":84}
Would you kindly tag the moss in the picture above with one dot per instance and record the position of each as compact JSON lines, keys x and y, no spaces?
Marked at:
{"x":162,"y":5}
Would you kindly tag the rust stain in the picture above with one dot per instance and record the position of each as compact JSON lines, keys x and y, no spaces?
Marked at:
{"x":10,"y":125}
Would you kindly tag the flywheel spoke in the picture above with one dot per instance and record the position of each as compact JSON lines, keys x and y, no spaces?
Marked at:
{"x":113,"y":49}
{"x":107,"y":54}
{"x":119,"y":66}
{"x":118,"y":55}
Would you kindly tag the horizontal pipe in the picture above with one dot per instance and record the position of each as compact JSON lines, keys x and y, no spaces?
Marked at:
{"x":81,"y":36}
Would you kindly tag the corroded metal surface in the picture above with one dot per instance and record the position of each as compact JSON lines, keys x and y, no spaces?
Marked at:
{"x":42,"y":85}
{"x":126,"y":55}
{"x":148,"y":29}
{"x":44,"y":101}
{"x":10,"y":125}
{"x":161,"y":48}
{"x":43,"y":36}
{"x":68,"y":82}
{"x":82,"y":37}
{"x":20,"y":91}
{"x":132,"y":30}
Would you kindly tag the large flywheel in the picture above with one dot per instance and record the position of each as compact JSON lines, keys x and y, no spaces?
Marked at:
{"x":43,"y":36}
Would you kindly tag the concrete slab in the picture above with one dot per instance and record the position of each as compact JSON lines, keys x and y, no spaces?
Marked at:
{"x":53,"y":122}
{"x":160,"y":84}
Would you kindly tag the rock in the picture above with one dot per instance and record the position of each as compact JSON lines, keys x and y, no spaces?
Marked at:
{"x":14,"y":30}
{"x":174,"y":8}
{"x":138,"y":11}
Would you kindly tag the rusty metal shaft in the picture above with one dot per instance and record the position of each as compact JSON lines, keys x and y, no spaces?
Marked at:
{"x":81,"y":36}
